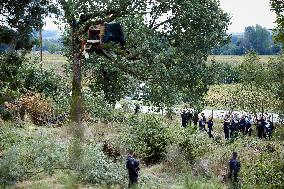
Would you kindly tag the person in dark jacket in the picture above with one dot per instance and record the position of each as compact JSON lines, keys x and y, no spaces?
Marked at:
{"x":183,"y":119}
{"x":195,"y":118}
{"x":248,"y":124}
{"x":234,"y":125}
{"x":136,"y":109}
{"x":242,"y":124}
{"x":210,"y":127}
{"x":226,"y":126}
{"x":269,"y":127}
{"x":234,"y":166}
{"x":202,"y":122}
{"x":132,"y":166}
{"x":114,"y":33}
{"x":260,"y":127}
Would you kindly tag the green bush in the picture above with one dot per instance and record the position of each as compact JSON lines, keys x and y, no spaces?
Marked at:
{"x":194,"y":144}
{"x":42,"y":81}
{"x":266,"y":168}
{"x":148,"y":136}
{"x":96,"y":106}
{"x":98,"y":169}
{"x":9,"y":136}
{"x":10,"y":63}
{"x":31,"y":156}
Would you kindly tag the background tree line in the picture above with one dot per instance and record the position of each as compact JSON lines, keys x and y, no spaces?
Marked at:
{"x":256,"y":38}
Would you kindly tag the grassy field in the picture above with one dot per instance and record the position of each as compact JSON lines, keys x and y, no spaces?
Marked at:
{"x":56,"y":61}
{"x":235,"y":59}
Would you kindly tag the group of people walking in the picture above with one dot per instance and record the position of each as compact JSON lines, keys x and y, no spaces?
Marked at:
{"x":232,"y":125}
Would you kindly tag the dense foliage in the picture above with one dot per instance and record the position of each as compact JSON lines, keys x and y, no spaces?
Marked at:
{"x":148,"y":135}
{"x":278,"y":7}
{"x":255,"y":38}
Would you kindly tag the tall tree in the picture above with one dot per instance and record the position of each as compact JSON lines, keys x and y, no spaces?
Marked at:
{"x":278,"y":7}
{"x":170,"y":40}
{"x":257,"y":38}
{"x":20,"y":18}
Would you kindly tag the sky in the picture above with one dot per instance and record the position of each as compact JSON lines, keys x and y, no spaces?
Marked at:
{"x":243,"y":13}
{"x":248,"y":13}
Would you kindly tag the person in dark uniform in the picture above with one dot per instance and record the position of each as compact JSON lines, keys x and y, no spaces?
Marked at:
{"x":137,"y":108}
{"x":195,"y":118}
{"x":183,"y":119}
{"x":234,"y":125}
{"x":210,"y":126}
{"x":242,"y":124}
{"x":132,"y":166}
{"x":226,"y":126}
{"x":260,"y":127}
{"x":202,"y":122}
{"x":269,"y":127}
{"x":189,"y":117}
{"x":248,"y":124}
{"x":234,"y":166}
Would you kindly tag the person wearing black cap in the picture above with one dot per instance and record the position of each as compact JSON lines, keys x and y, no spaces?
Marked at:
{"x":234,"y":166}
{"x":132,"y":166}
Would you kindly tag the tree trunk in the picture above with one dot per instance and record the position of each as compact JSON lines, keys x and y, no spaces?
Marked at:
{"x":76,"y":104}
{"x":40,"y":43}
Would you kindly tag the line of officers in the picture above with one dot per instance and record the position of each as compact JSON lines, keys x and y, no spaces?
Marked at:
{"x":232,"y":125}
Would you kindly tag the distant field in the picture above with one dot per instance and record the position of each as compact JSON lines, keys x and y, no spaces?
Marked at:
{"x":56,"y":61}
{"x":235,"y":59}
{"x":51,"y":62}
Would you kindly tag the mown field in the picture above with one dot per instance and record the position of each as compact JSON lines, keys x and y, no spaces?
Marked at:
{"x":235,"y":59}
{"x":55,"y":61}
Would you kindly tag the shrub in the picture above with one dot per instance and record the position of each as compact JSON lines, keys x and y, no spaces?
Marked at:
{"x":31,"y":156}
{"x":35,"y":104}
{"x":98,"y":169}
{"x":9,"y":136}
{"x":266,"y":168}
{"x":148,"y":136}
{"x":194,"y":144}
{"x":10,"y":63}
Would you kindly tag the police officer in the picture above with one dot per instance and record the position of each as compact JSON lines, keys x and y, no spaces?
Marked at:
{"x":132,"y":166}
{"x":269,"y":127}
{"x":243,"y":124}
{"x":210,"y":126}
{"x":183,"y":119}
{"x":202,"y":122}
{"x":248,"y":124}
{"x":195,"y":118}
{"x":260,"y":127}
{"x":234,"y":166}
{"x":234,"y":125}
{"x":137,"y":108}
{"x":189,"y":117}
{"x":226,"y":126}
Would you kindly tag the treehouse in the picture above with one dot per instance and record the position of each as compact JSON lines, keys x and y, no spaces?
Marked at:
{"x":101,"y":34}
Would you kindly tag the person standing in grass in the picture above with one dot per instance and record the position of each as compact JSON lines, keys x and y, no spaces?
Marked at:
{"x":234,"y":166}
{"x":202,"y":122}
{"x":132,"y":166}
{"x":210,"y":126}
{"x":226,"y":126}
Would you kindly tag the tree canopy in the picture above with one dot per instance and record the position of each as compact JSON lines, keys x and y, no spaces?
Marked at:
{"x":20,"y":18}
{"x":170,"y":41}
{"x":278,"y":7}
